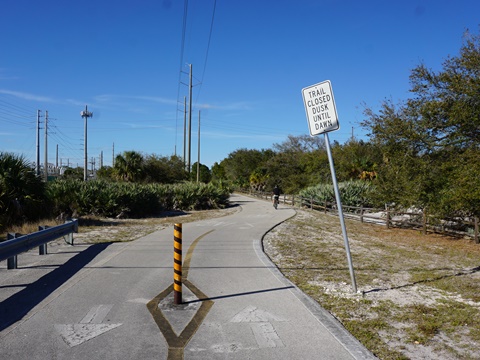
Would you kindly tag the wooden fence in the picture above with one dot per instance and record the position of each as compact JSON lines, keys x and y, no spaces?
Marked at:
{"x":387,"y":217}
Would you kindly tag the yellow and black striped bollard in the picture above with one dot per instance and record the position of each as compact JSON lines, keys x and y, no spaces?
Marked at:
{"x":177,"y":264}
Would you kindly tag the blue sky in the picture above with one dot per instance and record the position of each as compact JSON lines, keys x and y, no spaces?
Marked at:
{"x":124,"y":60}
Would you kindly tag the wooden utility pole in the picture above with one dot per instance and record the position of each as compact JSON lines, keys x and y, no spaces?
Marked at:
{"x":190,"y":122}
{"x":45,"y":164}
{"x":37,"y":161}
{"x":198,"y":161}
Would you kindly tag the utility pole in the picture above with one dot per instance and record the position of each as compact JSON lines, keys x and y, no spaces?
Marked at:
{"x":113,"y":155}
{"x":56,"y":160}
{"x":190,"y":121}
{"x":45,"y":165}
{"x":101,"y":159}
{"x":184,"y":130}
{"x":198,"y":161}
{"x":85,"y":114}
{"x":37,"y":162}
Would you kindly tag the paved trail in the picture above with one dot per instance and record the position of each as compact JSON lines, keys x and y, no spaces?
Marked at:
{"x":114,"y":301}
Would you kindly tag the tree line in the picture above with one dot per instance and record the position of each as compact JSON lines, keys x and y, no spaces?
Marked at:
{"x":422,"y":152}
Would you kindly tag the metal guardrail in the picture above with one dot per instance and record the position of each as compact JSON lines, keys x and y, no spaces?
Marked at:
{"x":10,"y":248}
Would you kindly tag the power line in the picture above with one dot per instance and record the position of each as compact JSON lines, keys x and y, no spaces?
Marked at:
{"x":182,"y":48}
{"x":208,"y":49}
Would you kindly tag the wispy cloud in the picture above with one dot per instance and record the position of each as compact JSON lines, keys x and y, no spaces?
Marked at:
{"x":112,"y":98}
{"x":75,"y":102}
{"x":240,"y":105}
{"x":28,"y":96}
{"x":120,"y":99}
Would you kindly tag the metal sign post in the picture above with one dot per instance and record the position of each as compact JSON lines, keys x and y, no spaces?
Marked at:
{"x":340,"y":212}
{"x":322,"y":117}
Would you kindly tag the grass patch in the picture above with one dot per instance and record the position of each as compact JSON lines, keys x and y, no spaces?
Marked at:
{"x":419,"y":295}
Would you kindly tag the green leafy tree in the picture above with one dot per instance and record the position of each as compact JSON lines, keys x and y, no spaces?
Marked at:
{"x":105,"y":173}
{"x":240,"y":164}
{"x":218,"y":172}
{"x":356,"y":159}
{"x":73,"y":173}
{"x":291,"y":167}
{"x":205,"y":174}
{"x":429,"y":141}
{"x":164,"y":169}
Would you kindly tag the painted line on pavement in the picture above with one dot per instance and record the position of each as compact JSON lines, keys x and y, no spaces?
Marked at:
{"x":177,"y":343}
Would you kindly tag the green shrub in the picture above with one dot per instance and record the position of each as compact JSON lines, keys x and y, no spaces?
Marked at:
{"x":352,"y":193}
{"x":109,"y":199}
{"x":21,"y":191}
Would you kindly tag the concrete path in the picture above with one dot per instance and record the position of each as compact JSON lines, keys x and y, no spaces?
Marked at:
{"x":115,"y":301}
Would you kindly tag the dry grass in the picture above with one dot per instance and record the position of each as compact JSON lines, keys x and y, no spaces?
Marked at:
{"x":98,"y":230}
{"x":419,"y":295}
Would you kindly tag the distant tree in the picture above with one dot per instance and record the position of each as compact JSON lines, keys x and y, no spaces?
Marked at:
{"x":291,"y":167}
{"x":73,"y":173}
{"x":240,"y":164}
{"x":205,"y":174}
{"x":300,"y":144}
{"x":105,"y":172}
{"x":129,"y":167}
{"x":429,"y":141}
{"x":164,"y":169}
{"x":259,"y":179}
{"x":218,"y":172}
{"x":356,"y":159}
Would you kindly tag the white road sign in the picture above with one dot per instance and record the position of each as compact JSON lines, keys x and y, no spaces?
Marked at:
{"x":320,"y":108}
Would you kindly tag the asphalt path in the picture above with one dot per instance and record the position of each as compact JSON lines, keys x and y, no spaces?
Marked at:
{"x":115,"y":301}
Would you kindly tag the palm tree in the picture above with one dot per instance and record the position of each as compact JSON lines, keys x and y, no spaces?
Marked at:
{"x":129,"y":166}
{"x":22,"y":193}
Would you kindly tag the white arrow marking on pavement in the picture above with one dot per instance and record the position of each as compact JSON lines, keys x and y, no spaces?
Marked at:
{"x":265,"y":334}
{"x":246,"y":226}
{"x":253,"y":314}
{"x":89,"y":327}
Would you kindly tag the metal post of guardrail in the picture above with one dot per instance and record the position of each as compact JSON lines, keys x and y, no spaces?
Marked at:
{"x":177,"y":264}
{"x":42,"y":249}
{"x":361,"y":213}
{"x":12,"y":261}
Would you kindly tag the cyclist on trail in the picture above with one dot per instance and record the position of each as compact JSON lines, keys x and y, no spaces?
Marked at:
{"x":276,"y":195}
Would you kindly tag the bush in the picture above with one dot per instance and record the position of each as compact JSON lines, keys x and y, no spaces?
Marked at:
{"x":353,"y":193}
{"x":109,"y":199}
{"x":21,"y":191}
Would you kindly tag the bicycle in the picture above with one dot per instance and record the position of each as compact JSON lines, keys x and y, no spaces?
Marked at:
{"x":275,"y":201}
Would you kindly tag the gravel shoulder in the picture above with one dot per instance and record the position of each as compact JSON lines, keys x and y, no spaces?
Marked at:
{"x":418,"y":295}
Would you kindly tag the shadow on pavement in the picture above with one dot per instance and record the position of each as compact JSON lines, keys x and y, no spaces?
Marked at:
{"x":18,"y":305}
{"x":239,"y":294}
